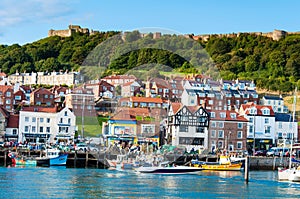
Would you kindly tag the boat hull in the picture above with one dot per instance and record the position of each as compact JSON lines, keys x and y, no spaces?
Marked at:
{"x":61,"y":160}
{"x":169,"y":170}
{"x":21,"y":162}
{"x":222,"y":167}
{"x":283,"y":174}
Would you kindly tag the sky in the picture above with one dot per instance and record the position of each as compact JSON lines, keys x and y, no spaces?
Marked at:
{"x":26,"y":21}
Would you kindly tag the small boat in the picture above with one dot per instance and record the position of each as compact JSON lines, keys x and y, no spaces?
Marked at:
{"x":224,"y":164}
{"x":56,"y":157}
{"x":169,"y":170}
{"x":21,"y":161}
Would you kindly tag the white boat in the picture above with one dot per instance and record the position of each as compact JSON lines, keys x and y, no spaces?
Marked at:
{"x":53,"y":157}
{"x":294,"y":174}
{"x":169,"y":170}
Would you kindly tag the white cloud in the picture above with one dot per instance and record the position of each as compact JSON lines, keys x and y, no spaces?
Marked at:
{"x":15,"y":12}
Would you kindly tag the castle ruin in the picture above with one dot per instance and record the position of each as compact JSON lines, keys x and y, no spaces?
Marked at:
{"x":70,"y":31}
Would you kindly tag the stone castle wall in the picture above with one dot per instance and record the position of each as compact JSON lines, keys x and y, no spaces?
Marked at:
{"x":68,"y":32}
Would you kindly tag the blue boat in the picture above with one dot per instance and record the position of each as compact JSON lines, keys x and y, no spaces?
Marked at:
{"x":57,"y":158}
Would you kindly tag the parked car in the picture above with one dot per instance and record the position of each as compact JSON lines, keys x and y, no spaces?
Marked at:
{"x":260,"y":153}
{"x":277,"y":151}
{"x":93,"y":147}
{"x":81,"y":147}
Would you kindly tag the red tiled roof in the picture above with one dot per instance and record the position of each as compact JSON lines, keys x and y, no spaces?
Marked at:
{"x":40,"y":109}
{"x":259,"y":108}
{"x":4,"y":88}
{"x":146,"y":99}
{"x":13,"y":121}
{"x":2,"y":74}
{"x":42,"y":91}
{"x":228,"y":116}
{"x":176,"y":106}
{"x":128,"y":113}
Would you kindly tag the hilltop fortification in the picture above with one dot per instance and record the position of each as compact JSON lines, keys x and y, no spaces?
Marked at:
{"x":70,"y":31}
{"x":275,"y":35}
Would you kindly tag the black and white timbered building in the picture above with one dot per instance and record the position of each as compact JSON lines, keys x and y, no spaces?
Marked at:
{"x":188,"y":126}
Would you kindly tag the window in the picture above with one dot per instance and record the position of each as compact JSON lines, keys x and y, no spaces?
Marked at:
{"x":183,"y":128}
{"x":220,"y":144}
{"x":47,"y":129}
{"x":253,"y":110}
{"x":66,"y":113}
{"x":33,"y":129}
{"x":251,"y":129}
{"x":220,"y":134}
{"x":41,"y":119}
{"x":48,"y":103}
{"x":222,"y":115}
{"x":221,"y":124}
{"x":199,"y":129}
{"x":8,"y":94}
{"x":240,"y":134}
{"x":33,"y":119}
{"x":26,"y":119}
{"x":233,"y":115}
{"x":239,"y":145}
{"x":240,"y":125}
{"x":14,"y":132}
{"x":213,"y":133}
{"x":213,"y":124}
{"x":267,"y":129}
{"x":46,"y":96}
{"x":266,"y":120}
{"x":69,"y":120}
{"x":8,"y":101}
{"x":266,"y":111}
{"x":26,"y":128}
{"x":61,"y":120}
{"x":17,"y":97}
{"x":212,"y":114}
{"x":41,"y":129}
{"x":185,"y":118}
{"x":251,"y":120}
{"x":51,"y":96}
{"x":280,"y":135}
{"x":48,"y":120}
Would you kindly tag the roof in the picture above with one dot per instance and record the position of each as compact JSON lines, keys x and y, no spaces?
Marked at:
{"x":283,"y":117}
{"x":176,"y":106}
{"x":272,"y":97}
{"x":128,"y":113}
{"x":40,"y":109}
{"x":146,"y":99}
{"x":3,"y":74}
{"x":4,"y":88}
{"x":228,"y":116}
{"x":42,"y":91}
{"x":120,"y":77}
{"x":13,"y":121}
{"x":259,"y":108}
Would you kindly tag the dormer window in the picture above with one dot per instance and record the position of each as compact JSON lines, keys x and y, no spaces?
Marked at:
{"x":223,"y":115}
{"x":266,"y":111}
{"x":253,"y":110}
{"x":233,"y":115}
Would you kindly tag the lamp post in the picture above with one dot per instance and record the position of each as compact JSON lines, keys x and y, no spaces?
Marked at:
{"x":228,"y":138}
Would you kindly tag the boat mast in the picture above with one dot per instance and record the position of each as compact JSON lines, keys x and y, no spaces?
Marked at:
{"x":293,"y":120}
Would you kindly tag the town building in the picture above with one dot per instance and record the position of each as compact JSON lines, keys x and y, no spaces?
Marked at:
{"x":261,"y":125}
{"x":188,"y":126}
{"x":7,"y":97}
{"x":227,"y":131}
{"x":131,"y":89}
{"x":118,"y":80}
{"x":276,"y":102}
{"x":143,"y":102}
{"x":101,"y":89}
{"x":46,"y":124}
{"x":4,"y":115}
{"x":81,"y":101}
{"x":286,"y":129}
{"x":42,"y":97}
{"x":12,"y":128}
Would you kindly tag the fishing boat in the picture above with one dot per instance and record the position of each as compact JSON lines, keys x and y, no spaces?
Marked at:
{"x":169,"y":170}
{"x":56,"y":158}
{"x":21,"y":161}
{"x":224,"y":164}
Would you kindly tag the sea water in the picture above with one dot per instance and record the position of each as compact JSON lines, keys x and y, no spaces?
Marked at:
{"x":59,"y":182}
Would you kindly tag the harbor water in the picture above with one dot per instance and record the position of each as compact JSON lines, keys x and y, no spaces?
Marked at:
{"x":59,"y":182}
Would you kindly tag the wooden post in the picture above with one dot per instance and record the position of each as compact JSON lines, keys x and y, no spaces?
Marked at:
{"x":86,"y":159}
{"x":247,"y":163}
{"x":5,"y":158}
{"x":75,"y":159}
{"x":274,"y":163}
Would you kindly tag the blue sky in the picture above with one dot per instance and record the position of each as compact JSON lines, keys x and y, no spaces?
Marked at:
{"x":25,"y":21}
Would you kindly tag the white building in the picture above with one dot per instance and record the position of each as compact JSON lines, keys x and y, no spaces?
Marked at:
{"x":187,"y":126}
{"x":46,"y":124}
{"x":261,"y":125}
{"x":277,"y":103}
{"x":286,"y":128}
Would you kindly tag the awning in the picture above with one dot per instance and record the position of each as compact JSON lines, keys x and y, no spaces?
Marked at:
{"x":264,"y":141}
{"x":249,"y":141}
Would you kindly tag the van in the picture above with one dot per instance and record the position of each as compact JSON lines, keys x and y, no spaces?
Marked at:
{"x":277,"y":151}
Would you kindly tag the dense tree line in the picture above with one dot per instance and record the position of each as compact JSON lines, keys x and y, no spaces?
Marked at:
{"x":273,"y":65}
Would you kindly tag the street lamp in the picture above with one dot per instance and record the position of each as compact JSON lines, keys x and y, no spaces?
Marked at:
{"x":228,"y":138}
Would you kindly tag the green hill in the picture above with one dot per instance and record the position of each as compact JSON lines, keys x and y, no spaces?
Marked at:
{"x":273,"y":65}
